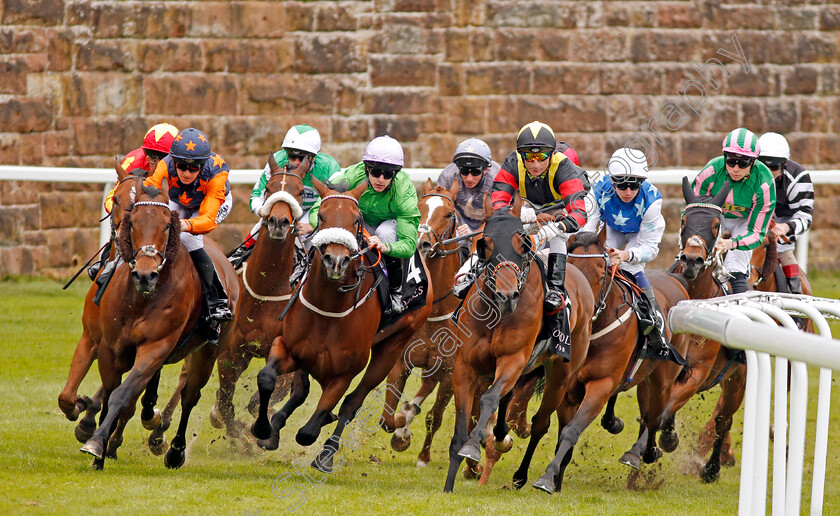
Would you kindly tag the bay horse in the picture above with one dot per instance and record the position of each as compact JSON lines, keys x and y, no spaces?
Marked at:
{"x":613,"y":364}
{"x":264,"y":284}
{"x":331,"y":331}
{"x":147,"y":318}
{"x":498,"y":329}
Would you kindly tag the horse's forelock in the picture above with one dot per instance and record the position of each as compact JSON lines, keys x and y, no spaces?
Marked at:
{"x":340,"y":186}
{"x":583,"y":239}
{"x":151,"y":191}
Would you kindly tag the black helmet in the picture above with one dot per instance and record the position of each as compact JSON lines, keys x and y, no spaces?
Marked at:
{"x":535,"y":137}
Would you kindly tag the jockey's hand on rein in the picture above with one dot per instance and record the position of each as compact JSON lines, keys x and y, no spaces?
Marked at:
{"x":550,"y":230}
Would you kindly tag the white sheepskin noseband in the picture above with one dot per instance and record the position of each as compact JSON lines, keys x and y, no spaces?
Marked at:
{"x":286,"y":197}
{"x":335,"y":236}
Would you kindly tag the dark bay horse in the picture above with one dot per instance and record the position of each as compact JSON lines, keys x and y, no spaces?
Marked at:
{"x":147,"y":317}
{"x":264,"y":285}
{"x":612,"y":365}
{"x":498,"y":328}
{"x":438,"y":220}
{"x":330,"y":332}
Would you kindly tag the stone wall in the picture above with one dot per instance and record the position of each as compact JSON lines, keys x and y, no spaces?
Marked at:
{"x":81,"y":81}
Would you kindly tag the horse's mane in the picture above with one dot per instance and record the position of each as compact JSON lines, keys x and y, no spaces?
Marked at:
{"x":770,"y":257}
{"x":583,"y":239}
{"x":173,"y":244}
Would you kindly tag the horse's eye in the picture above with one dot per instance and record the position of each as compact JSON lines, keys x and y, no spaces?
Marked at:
{"x":168,"y":227}
{"x":449,"y":215}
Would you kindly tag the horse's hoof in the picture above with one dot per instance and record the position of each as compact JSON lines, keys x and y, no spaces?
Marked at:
{"x":470,"y":451}
{"x":216,"y":419}
{"x":504,"y":445}
{"x":175,"y":457}
{"x":631,"y":459}
{"x":421,"y":463}
{"x":261,"y":429}
{"x":151,"y":424}
{"x":399,"y":419}
{"x":98,"y":465}
{"x":615,"y":427}
{"x":278,"y":421}
{"x":519,"y":480}
{"x":473,"y":472}
{"x":113,"y":444}
{"x":545,"y":483}
{"x":669,"y":441}
{"x":92,"y":447}
{"x":270,"y":444}
{"x":305,"y":439}
{"x":710,"y":475}
{"x":523,"y":431}
{"x":727,"y":460}
{"x":158,"y":445}
{"x":651,"y":456}
{"x":84,"y":430}
{"x":323,"y":464}
{"x":400,"y":441}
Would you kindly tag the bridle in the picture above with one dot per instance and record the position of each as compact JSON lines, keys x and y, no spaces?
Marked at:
{"x":150,"y":249}
{"x":713,"y":256}
{"x":447,"y":233}
{"x":283,"y":196}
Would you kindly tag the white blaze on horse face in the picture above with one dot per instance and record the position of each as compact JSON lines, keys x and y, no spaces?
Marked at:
{"x":433,"y":203}
{"x":131,"y":196}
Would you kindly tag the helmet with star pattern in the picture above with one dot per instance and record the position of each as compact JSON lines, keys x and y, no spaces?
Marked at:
{"x":190,"y":146}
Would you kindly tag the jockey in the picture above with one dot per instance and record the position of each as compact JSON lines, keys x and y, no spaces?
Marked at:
{"x":631,"y":209}
{"x":794,"y":202}
{"x":199,"y":191}
{"x":155,"y":147}
{"x":749,"y":205}
{"x":474,"y":169}
{"x":300,"y":142}
{"x":389,"y":208}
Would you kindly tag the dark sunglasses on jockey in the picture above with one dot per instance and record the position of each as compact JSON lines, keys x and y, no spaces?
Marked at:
{"x":773,"y":163}
{"x":535,"y":156}
{"x":380,"y":171}
{"x":625,"y":182}
{"x":738,"y":161}
{"x":470,"y":171}
{"x":154,"y":155}
{"x":195,"y":166}
{"x":298,"y":156}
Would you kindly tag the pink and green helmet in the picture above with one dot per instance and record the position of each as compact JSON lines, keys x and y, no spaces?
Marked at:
{"x":742,"y":141}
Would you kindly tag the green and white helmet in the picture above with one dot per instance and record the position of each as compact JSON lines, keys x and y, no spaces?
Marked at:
{"x":304,"y":138}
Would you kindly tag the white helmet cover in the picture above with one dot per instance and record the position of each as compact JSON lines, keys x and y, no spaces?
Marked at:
{"x":628,"y":162}
{"x":303,"y":138}
{"x":773,"y":145}
{"x":384,"y":149}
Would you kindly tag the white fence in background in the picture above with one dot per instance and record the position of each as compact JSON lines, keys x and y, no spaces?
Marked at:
{"x":749,"y":321}
{"x":418,"y":175}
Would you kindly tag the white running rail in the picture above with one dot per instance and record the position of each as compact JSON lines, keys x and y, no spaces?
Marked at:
{"x":749,"y":321}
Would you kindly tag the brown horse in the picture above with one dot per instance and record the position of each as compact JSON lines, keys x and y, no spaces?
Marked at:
{"x":147,"y":319}
{"x":264,"y":283}
{"x":330,"y":332}
{"x":498,"y":329}
{"x":438,"y":220}
{"x":613,"y":364}
{"x":70,"y":403}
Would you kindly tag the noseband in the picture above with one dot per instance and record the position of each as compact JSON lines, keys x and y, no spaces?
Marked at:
{"x":282,"y":196}
{"x":150,"y":250}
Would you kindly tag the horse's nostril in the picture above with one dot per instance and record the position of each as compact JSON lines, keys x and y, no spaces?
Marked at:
{"x":345,"y":262}
{"x":153,"y":277}
{"x":328,"y":260}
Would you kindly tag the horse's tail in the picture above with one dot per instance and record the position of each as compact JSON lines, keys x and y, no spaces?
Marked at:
{"x":685,"y":373}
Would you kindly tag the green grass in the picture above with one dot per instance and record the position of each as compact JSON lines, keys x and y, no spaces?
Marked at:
{"x":42,"y":470}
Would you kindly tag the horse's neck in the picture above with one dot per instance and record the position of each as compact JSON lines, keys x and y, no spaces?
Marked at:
{"x":272,"y":263}
{"x":442,"y":270}
{"x":704,"y":285}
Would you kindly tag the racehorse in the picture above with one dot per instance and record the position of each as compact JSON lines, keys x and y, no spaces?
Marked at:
{"x":438,"y":220}
{"x":70,"y":403}
{"x":148,"y":318}
{"x":331,"y":330}
{"x":264,"y":283}
{"x":498,"y":329}
{"x":614,"y":363}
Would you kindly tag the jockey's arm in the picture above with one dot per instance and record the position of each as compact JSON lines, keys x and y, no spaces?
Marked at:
{"x":257,"y":193}
{"x":573,"y":194}
{"x":759,"y":218}
{"x":205,"y":221}
{"x":800,"y":196}
{"x":650,"y":235}
{"x":408,"y":219}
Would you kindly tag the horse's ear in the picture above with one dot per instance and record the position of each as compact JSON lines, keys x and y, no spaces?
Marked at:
{"x":118,"y":167}
{"x":303,"y":168}
{"x":481,"y":249}
{"x":453,"y":190}
{"x":688,"y":195}
{"x":488,"y":206}
{"x":427,"y":186}
{"x":517,"y":204}
{"x":571,"y":240}
{"x":164,"y":189}
{"x":721,"y":195}
{"x":320,"y":187}
{"x":602,"y":237}
{"x":359,"y":190}
{"x":273,"y":167}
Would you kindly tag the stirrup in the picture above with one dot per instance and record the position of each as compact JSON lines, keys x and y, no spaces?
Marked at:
{"x":459,"y":290}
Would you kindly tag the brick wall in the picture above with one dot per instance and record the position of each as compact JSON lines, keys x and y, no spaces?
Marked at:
{"x":81,"y":81}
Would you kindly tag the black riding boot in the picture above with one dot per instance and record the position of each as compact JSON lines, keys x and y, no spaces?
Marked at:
{"x":556,"y":294}
{"x":739,"y":282}
{"x":395,"y":284}
{"x":239,"y":255}
{"x":105,"y":278}
{"x":211,"y":286}
{"x":652,"y":323}
{"x":795,"y":287}
{"x":96,"y":266}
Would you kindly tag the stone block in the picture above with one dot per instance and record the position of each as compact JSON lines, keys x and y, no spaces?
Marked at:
{"x":828,"y":148}
{"x":402,"y":70}
{"x":68,"y":209}
{"x":300,"y":16}
{"x":117,"y":94}
{"x":33,"y":12}
{"x":814,"y":115}
{"x":736,"y":17}
{"x":404,"y":129}
{"x":269,"y":56}
{"x":678,"y":16}
{"x":501,"y":79}
{"x":210,"y":20}
{"x":57,"y":143}
{"x":628,"y":113}
{"x":466,"y":116}
{"x":450,"y":79}
{"x":590,"y":147}
{"x":338,"y":17}
{"x":330,"y":53}
{"x":9,"y":150}
{"x":32,"y":148}
{"x":829,"y":18}
{"x":457,"y":45}
{"x":781,"y":116}
{"x":800,"y":80}
{"x":59,"y":50}
{"x":170,"y":56}
{"x":828,"y":214}
{"x":13,"y":74}
{"x":190,"y":94}
{"x":25,"y":115}
{"x":797,"y":18}
{"x":400,"y":102}
{"x":163,"y":20}
{"x":350,"y":129}
{"x":720,"y":113}
{"x":511,"y":45}
{"x":697,"y":149}
{"x":604,"y":45}
{"x":753,"y":114}
{"x":566,"y":79}
{"x":68,"y":246}
{"x":108,"y":20}
{"x":631,"y":79}
{"x":15,"y":261}
{"x":762,"y":81}
{"x":678,"y":46}
{"x":553,"y":45}
{"x":284,"y":94}
{"x":532,"y":14}
{"x":258,"y":19}
{"x":23,"y":40}
{"x":95,"y":55}
{"x":91,"y":136}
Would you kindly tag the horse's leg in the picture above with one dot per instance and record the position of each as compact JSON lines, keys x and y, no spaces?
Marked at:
{"x":300,"y":391}
{"x":681,"y":391}
{"x":87,"y":425}
{"x":116,"y":439}
{"x":231,"y":363}
{"x":281,"y":389}
{"x":633,"y":456}
{"x":518,"y":409}
{"x":597,"y":394}
{"x":68,"y":400}
{"x":463,"y":382}
{"x":609,"y":422}
{"x":157,"y":440}
{"x":553,"y":395}
{"x":200,"y":368}
{"x":396,"y":384}
{"x":402,"y":435}
{"x":149,"y":415}
{"x":278,"y":360}
{"x":501,"y":440}
{"x":732,"y":394}
{"x":660,"y":382}
{"x":435,"y":417}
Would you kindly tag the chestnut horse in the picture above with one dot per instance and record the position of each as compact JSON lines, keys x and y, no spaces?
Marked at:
{"x":613,"y":364}
{"x":498,"y":329}
{"x":147,"y":319}
{"x":265,"y":288}
{"x":330,"y":332}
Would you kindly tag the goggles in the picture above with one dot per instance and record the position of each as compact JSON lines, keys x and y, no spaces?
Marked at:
{"x":535,"y":156}
{"x":188,"y":167}
{"x":297,"y":156}
{"x":736,"y":160}
{"x":624,"y":183}
{"x":387,"y":173}
{"x":471,"y":171}
{"x":773,"y":163}
{"x":154,"y":155}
